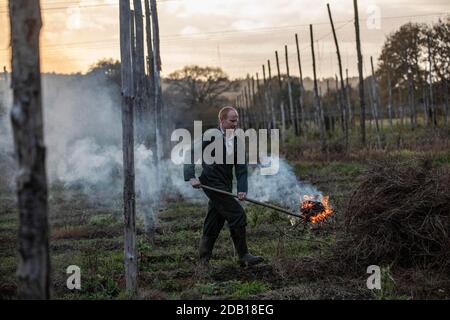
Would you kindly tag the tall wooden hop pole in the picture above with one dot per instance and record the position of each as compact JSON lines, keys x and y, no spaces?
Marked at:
{"x":128,"y":148}
{"x":150,"y":104}
{"x":33,"y":270}
{"x":272,"y":111}
{"x":302,"y":91}
{"x":294,"y":115}
{"x":362,"y":103}
{"x":375,"y":103}
{"x":341,"y":92}
{"x":139,"y":74}
{"x":316,"y":92}
{"x":157,"y":79}
{"x":280,"y":87}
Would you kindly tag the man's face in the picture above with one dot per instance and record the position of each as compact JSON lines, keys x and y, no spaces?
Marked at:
{"x":230,"y":121}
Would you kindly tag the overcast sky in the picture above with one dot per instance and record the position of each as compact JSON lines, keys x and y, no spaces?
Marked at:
{"x":237,"y":35}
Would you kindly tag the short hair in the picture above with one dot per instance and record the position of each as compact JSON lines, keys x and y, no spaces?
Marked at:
{"x":224,"y":112}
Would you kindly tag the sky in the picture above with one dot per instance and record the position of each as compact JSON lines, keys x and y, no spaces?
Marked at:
{"x":236,"y":35}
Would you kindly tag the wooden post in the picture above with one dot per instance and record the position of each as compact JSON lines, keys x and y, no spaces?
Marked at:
{"x":425,"y":105}
{"x":139,"y":73}
{"x":148,"y":38}
{"x":244,"y":109}
{"x":157,"y":81}
{"x":266,"y":99}
{"x":400,"y":106}
{"x":344,"y":113}
{"x":375,"y":103}
{"x":272,"y":110}
{"x":33,"y":270}
{"x":316,"y":92}
{"x":389,"y":106}
{"x":280,"y":87}
{"x":302,"y":124}
{"x":291,"y":102}
{"x":430,"y":75}
{"x":262,"y":110}
{"x":133,"y":54}
{"x":349,"y":101}
{"x":128,"y":148}
{"x":247,"y":107}
{"x":338,"y":103}
{"x":150,"y":103}
{"x":362,"y":103}
{"x":254,"y":102}
{"x":250,"y":101}
{"x":411,"y":97}
{"x":446,"y":113}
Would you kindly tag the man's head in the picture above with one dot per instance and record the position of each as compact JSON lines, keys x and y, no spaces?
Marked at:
{"x":228,"y":118}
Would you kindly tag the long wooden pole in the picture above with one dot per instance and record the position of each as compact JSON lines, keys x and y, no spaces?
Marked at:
{"x":389,"y":84}
{"x":341,"y":93}
{"x":157,"y":81}
{"x":254,"y":201}
{"x":375,"y":102}
{"x":272,"y":111}
{"x":128,"y":149}
{"x":430,"y":75}
{"x":280,"y":87}
{"x":266,"y":99}
{"x":302,"y":89}
{"x":139,"y":72}
{"x":316,"y":92}
{"x":33,"y":270}
{"x":362,"y":103}
{"x":349,"y":101}
{"x":291,"y":102}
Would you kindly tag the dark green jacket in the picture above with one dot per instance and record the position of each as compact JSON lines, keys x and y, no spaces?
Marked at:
{"x":219,"y":175}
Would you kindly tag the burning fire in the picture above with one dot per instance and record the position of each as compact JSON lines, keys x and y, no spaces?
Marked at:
{"x":314,"y":210}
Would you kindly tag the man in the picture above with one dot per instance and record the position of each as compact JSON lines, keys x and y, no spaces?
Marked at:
{"x":221,"y":207}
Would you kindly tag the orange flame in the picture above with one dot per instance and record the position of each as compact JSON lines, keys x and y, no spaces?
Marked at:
{"x":325,"y":213}
{"x":309,"y":203}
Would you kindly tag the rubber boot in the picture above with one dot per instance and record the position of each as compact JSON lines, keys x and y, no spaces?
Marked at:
{"x":240,"y":243}
{"x":205,"y":250}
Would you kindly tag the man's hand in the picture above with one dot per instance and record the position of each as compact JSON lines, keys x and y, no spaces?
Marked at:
{"x":195,"y":183}
{"x":242,"y":195}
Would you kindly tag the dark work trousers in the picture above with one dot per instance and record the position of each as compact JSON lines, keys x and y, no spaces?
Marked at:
{"x":222,"y":208}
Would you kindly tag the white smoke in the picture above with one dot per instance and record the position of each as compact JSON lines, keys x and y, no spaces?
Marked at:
{"x":282,"y":188}
{"x":6,"y":147}
{"x":83,"y":137}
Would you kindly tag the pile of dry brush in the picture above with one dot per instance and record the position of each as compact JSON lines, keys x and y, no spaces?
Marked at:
{"x":399,"y":216}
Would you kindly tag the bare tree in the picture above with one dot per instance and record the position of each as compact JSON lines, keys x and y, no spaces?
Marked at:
{"x":33,"y":270}
{"x":200,"y":85}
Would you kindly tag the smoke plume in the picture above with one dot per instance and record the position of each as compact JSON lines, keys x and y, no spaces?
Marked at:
{"x":83,"y":133}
